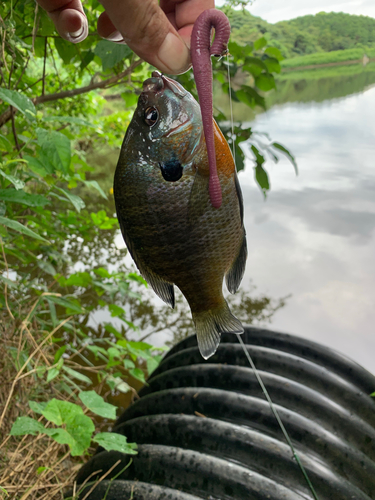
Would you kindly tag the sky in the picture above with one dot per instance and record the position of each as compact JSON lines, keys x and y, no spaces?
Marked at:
{"x":280,"y":10}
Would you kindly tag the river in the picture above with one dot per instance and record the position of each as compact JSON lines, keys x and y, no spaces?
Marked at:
{"x":313,"y":238}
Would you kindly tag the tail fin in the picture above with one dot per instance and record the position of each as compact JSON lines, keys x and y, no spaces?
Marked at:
{"x":211,"y":324}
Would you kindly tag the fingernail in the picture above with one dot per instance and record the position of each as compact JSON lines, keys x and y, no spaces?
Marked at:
{"x":81,"y":34}
{"x":115,"y":37}
{"x":174,"y":54}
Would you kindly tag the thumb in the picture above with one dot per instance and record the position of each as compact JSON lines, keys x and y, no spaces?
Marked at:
{"x":146,"y":29}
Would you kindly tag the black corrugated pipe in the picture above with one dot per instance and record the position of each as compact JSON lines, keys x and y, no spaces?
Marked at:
{"x":205,"y":431}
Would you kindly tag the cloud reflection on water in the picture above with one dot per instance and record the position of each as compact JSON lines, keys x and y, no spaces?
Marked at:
{"x":314,"y":237}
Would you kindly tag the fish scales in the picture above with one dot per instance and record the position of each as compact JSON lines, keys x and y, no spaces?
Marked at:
{"x":172,"y":231}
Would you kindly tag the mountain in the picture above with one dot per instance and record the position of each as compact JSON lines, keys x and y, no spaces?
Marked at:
{"x":323,"y":32}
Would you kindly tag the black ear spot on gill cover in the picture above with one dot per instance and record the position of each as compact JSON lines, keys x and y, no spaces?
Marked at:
{"x":171,"y":170}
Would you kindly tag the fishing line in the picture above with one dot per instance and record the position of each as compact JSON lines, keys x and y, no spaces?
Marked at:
{"x":246,"y":352}
{"x":277,"y":416}
{"x":231,"y":113}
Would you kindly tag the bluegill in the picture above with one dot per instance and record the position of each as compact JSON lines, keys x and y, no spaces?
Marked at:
{"x":174,"y":234}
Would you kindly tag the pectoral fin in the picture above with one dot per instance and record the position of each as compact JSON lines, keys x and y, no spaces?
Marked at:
{"x":162,"y":288}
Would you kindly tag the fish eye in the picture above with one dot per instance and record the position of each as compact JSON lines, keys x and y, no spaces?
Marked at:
{"x":151,"y":116}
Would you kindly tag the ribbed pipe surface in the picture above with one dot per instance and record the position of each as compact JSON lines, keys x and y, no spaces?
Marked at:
{"x":205,"y":431}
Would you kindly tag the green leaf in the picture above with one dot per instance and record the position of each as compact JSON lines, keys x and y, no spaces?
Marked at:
{"x":265,"y":82}
{"x":111,"y":53}
{"x":5,"y":143}
{"x":55,"y":410}
{"x":113,"y":441}
{"x":260,"y":43}
{"x":102,"y":272}
{"x":55,"y":152}
{"x":35,"y":166}
{"x":95,"y":185}
{"x":88,"y":56}
{"x":262,"y":179}
{"x":274,"y":52}
{"x":137,"y":277}
{"x":4,"y":491}
{"x":69,"y":120}
{"x":83,"y":279}
{"x":289,"y":155}
{"x":17,"y":226}
{"x":118,"y":384}
{"x":97,"y":405}
{"x":102,"y":220}
{"x":8,"y":282}
{"x":77,"y":375}
{"x":20,"y":196}
{"x":69,"y":304}
{"x":139,"y":345}
{"x":37,"y":407}
{"x":18,"y":101}
{"x":17,"y":183}
{"x":153,"y":363}
{"x":26,"y":425}
{"x":138,"y":374}
{"x":77,"y":434}
{"x":76,"y":201}
{"x":66,"y":50}
{"x":238,"y":51}
{"x":46,"y":266}
{"x":59,"y":353}
{"x":52,"y":373}
{"x":130,"y":98}
{"x":250,"y":96}
{"x":128,"y":364}
{"x":259,"y":159}
{"x":116,"y":310}
{"x":78,"y":427}
{"x":272,"y":64}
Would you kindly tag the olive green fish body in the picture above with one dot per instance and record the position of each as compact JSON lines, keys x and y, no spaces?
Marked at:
{"x":171,"y":229}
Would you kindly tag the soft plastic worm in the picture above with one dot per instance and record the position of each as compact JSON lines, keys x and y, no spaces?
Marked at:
{"x":201,"y":52}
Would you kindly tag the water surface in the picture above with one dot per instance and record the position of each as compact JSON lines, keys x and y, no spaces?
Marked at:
{"x":314,"y":236}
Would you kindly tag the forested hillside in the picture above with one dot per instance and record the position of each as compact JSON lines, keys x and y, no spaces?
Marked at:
{"x":323,"y":32}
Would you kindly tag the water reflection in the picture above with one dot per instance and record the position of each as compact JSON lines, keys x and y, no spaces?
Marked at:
{"x":314,"y":237}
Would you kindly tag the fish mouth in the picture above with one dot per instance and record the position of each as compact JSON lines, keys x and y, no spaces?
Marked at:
{"x":158,"y":83}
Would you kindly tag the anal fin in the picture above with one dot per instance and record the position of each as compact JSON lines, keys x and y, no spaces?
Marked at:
{"x":211,"y":324}
{"x":235,"y":274}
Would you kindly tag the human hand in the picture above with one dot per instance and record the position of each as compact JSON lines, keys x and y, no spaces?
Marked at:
{"x":159,"y":34}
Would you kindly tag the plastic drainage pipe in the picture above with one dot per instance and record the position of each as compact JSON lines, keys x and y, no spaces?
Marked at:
{"x":204,"y":429}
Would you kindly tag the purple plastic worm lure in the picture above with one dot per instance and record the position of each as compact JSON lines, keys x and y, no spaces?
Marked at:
{"x":201,"y":52}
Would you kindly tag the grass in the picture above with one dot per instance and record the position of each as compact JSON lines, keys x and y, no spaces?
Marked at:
{"x":336,"y":56}
{"x":327,"y":72}
{"x":33,"y":467}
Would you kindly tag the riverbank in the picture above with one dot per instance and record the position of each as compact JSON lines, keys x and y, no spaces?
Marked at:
{"x":329,"y":59}
{"x":363,"y":61}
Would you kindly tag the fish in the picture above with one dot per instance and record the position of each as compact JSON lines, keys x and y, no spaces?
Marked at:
{"x":174,"y":234}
